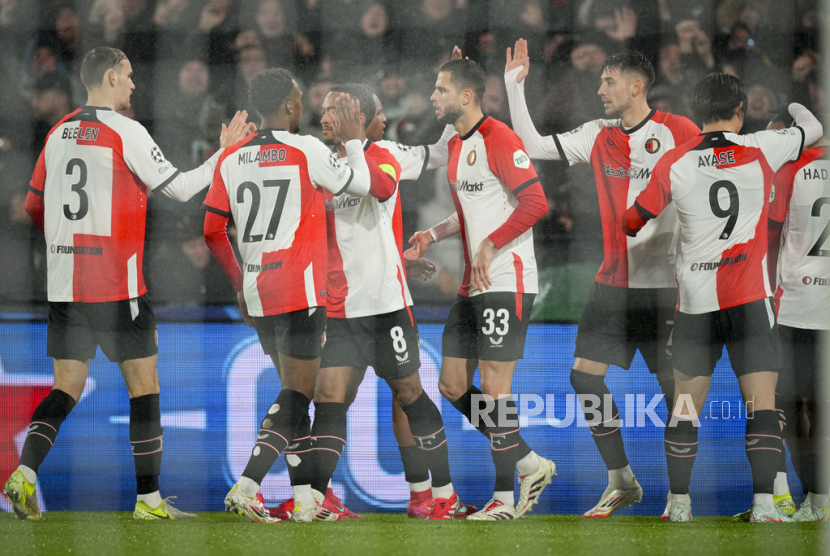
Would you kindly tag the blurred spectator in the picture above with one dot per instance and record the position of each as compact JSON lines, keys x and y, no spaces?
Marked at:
{"x":760,"y":100}
{"x":317,"y":91}
{"x":494,"y":102}
{"x":50,"y":103}
{"x":429,"y":28}
{"x":358,"y":36}
{"x":234,"y":95}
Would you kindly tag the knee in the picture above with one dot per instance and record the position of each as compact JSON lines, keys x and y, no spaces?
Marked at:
{"x":407,"y":392}
{"x":451,"y":390}
{"x":585,"y":383}
{"x":329,"y":393}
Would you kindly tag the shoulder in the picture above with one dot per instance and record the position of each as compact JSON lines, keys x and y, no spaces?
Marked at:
{"x":235,"y":147}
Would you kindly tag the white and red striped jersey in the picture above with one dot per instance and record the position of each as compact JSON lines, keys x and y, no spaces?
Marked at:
{"x":412,"y":160}
{"x":94,"y":173}
{"x":366,"y":271}
{"x":801,"y":200}
{"x":269,"y":184}
{"x":487,"y":169}
{"x":720,"y":184}
{"x":623,"y":161}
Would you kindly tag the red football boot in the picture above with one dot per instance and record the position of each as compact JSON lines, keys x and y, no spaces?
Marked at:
{"x":420,"y":504}
{"x":283,"y":511}
{"x":445,"y":508}
{"x":333,"y":504}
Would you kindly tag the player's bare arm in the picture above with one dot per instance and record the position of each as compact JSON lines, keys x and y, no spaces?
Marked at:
{"x":421,"y":241}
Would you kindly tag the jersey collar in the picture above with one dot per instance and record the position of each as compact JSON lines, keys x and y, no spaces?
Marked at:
{"x":475,"y":128}
{"x":367,"y":144}
{"x":89,"y":107}
{"x":640,"y":125}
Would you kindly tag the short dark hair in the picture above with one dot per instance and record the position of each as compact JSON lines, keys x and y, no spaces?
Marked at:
{"x":98,"y":62}
{"x":269,"y":90}
{"x":631,"y":61}
{"x":361,"y":92}
{"x":716,"y":97}
{"x":466,"y":74}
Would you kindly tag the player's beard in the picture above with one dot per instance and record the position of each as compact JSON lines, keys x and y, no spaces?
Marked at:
{"x":451,"y":114}
{"x":330,"y":141}
{"x":618,"y":111}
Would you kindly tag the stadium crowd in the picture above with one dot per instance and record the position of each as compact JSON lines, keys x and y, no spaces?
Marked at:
{"x":194,"y":59}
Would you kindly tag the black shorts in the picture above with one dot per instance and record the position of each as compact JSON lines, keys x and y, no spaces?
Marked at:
{"x":298,"y":333}
{"x":125,"y":330}
{"x":616,"y":322}
{"x":488,"y":327}
{"x":800,"y":351}
{"x":749,"y":331}
{"x":389,"y":343}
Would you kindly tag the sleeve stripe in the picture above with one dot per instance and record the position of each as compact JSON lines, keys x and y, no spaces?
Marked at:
{"x":393,"y":190}
{"x":525,"y":185}
{"x":216,"y":211}
{"x":644,"y":214}
{"x":800,"y":149}
{"x":166,"y":182}
{"x":426,"y":160}
{"x":561,"y":150}
{"x":36,"y":191}
{"x":348,"y":183}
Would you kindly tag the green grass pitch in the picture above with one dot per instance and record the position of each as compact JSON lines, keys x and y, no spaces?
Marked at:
{"x":216,"y":533}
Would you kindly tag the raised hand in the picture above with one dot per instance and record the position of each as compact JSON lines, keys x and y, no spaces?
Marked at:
{"x":518,"y":58}
{"x":237,"y":130}
{"x":349,"y":124}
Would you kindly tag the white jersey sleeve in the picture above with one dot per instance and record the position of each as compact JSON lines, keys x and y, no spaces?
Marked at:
{"x":780,"y":145}
{"x":326,"y":169}
{"x":145,"y":159}
{"x":413,"y":160}
{"x":576,"y":146}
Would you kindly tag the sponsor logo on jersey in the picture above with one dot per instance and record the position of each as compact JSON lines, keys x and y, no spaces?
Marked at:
{"x":471,"y":158}
{"x":723,"y":262}
{"x":653,"y":145}
{"x":572,"y":132}
{"x":344,"y":201}
{"x":75,"y":250}
{"x":276,"y":265}
{"x":467,"y":186}
{"x":81,"y":133}
{"x":155,"y":152}
{"x":630,"y":173}
{"x":716,"y":159}
{"x":521,"y":160}
{"x":164,"y":168}
{"x":816,"y":174}
{"x":815,"y":281}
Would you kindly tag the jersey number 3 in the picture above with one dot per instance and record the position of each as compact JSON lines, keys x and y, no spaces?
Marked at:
{"x":77,"y":187}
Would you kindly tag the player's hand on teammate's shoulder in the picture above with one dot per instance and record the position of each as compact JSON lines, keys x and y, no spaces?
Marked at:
{"x":420,"y":242}
{"x":243,"y":308}
{"x":237,"y":130}
{"x":480,"y":277}
{"x":518,"y":58}
{"x":422,"y":269}
{"x":348,"y":125}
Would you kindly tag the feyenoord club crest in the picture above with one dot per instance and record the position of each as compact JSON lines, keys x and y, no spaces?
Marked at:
{"x":653,"y":145}
{"x":471,"y":158}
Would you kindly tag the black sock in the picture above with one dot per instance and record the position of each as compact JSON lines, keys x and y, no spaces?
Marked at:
{"x":280,"y":423}
{"x":606,"y":431}
{"x":44,"y":427}
{"x":680,"y":441}
{"x":415,"y":465}
{"x":328,"y":440}
{"x":506,"y":444}
{"x":790,"y":407}
{"x":427,"y":429}
{"x":298,"y":456}
{"x":763,"y":449}
{"x":146,"y":440}
{"x":464,"y":404}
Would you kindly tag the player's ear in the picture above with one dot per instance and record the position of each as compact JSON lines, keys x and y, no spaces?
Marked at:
{"x":289,"y":107}
{"x":739,"y":112}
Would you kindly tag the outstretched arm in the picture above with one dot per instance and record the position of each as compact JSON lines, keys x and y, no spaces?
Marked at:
{"x":421,"y":241}
{"x":515,"y":71}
